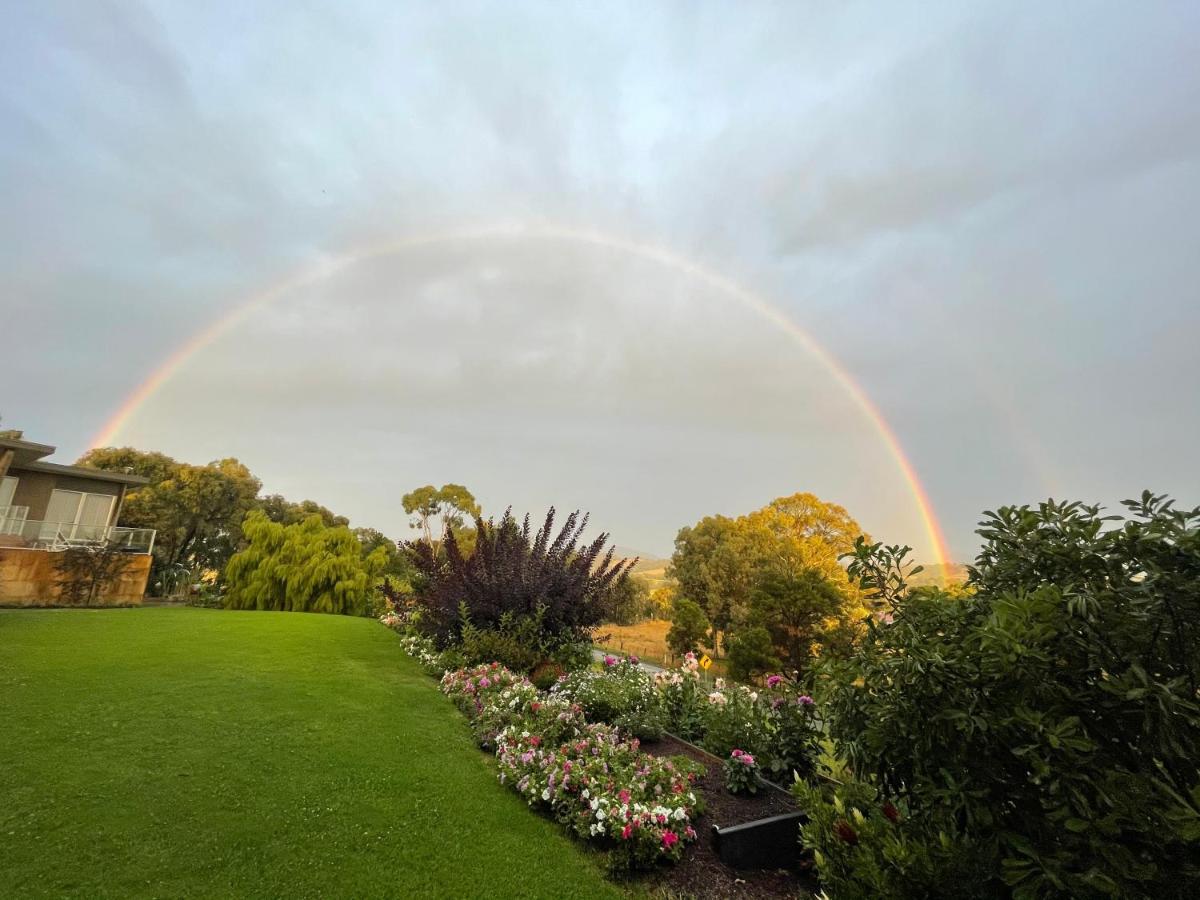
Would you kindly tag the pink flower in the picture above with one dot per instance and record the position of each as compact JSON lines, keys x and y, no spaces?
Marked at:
{"x":747,"y":759}
{"x":484,"y":682}
{"x":634,"y":660}
{"x":736,"y":753}
{"x":623,"y":796}
{"x":610,"y":660}
{"x":670,"y":839}
{"x":804,"y":700}
{"x":626,"y":831}
{"x":773,"y":680}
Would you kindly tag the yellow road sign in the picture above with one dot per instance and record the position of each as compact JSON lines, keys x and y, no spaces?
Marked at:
{"x":705,"y":662}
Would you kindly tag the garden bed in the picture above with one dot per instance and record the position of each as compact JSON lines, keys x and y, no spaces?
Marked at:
{"x":701,"y":873}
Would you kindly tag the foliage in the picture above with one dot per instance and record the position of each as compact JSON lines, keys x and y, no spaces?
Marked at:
{"x":622,"y":695}
{"x":517,"y":643}
{"x":196,"y":510}
{"x":752,"y":653}
{"x":684,"y":698}
{"x":866,"y":847}
{"x":85,"y":573}
{"x":776,"y":568}
{"x":516,"y":574}
{"x":689,"y":626}
{"x":1052,"y":716}
{"x":279,"y":509}
{"x":741,"y":772}
{"x":451,"y":505}
{"x":776,"y":725}
{"x":305,"y":567}
{"x":631,"y":601}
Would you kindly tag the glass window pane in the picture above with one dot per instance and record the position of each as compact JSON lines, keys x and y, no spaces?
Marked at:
{"x":63,"y":506}
{"x":96,"y":509}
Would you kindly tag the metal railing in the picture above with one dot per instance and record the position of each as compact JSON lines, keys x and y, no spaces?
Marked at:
{"x":34,"y":535}
{"x":11,"y":517}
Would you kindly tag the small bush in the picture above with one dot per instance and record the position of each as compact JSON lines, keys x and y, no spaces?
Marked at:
{"x":741,"y":772}
{"x":622,"y":695}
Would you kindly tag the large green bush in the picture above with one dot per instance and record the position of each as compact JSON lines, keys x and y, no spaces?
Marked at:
{"x":306,"y":567}
{"x":1051,"y":718}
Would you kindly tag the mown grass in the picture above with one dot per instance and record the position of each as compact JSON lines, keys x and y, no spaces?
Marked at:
{"x":203,"y":753}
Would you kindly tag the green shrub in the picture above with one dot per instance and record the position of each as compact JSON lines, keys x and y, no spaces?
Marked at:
{"x":1052,"y":718}
{"x":751,"y":653}
{"x":689,"y":626}
{"x":622,"y":695}
{"x":866,"y":847}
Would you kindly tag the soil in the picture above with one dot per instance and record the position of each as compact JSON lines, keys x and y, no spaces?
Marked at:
{"x":701,"y":874}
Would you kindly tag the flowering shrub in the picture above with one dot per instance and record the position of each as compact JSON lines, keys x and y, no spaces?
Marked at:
{"x":605,"y":789}
{"x":741,"y":773}
{"x":622,"y":695}
{"x":470,"y":688}
{"x":433,"y":661}
{"x":777,"y":726}
{"x":683,"y":698}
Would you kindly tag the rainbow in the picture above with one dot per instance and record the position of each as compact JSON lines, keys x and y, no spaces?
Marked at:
{"x":542,"y":232}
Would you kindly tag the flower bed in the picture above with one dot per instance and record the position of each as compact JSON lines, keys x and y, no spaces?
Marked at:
{"x":776,"y":726}
{"x":588,"y":776}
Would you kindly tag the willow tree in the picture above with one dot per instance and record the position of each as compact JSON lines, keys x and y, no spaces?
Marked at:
{"x":305,"y":567}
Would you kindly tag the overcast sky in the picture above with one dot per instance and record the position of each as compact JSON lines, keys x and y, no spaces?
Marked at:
{"x":986,"y":213}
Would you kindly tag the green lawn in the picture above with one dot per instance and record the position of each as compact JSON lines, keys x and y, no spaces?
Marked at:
{"x":187,"y":752}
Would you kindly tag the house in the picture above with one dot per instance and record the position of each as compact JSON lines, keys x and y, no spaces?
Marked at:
{"x":48,"y":509}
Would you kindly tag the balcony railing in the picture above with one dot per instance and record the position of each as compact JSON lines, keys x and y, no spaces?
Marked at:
{"x":33,"y":535}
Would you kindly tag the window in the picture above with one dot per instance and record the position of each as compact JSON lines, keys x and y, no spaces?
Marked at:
{"x":88,"y":514}
{"x":76,"y":507}
{"x":8,"y":487}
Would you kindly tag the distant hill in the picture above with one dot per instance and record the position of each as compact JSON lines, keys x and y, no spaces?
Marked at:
{"x":648,"y":563}
{"x":936,"y":574}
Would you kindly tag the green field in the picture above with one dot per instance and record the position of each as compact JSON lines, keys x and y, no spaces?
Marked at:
{"x":202,"y":753}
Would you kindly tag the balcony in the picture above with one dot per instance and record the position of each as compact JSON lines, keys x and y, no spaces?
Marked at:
{"x":18,"y":532}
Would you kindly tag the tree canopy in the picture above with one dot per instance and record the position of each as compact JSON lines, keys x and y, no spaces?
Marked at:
{"x":304,"y":567}
{"x":776,"y":568}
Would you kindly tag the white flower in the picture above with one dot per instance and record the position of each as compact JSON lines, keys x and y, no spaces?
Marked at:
{"x":680,"y":814}
{"x":546,"y":794}
{"x":584,"y":795}
{"x":600,"y":815}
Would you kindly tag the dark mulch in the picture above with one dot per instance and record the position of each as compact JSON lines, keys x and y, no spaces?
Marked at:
{"x":701,"y":874}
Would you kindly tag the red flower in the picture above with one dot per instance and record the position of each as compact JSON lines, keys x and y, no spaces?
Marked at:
{"x":889,"y":810}
{"x":669,"y":839}
{"x":843,"y":830}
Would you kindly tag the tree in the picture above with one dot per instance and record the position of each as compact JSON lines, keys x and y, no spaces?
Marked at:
{"x":279,"y":509}
{"x":440,"y":511}
{"x":689,"y":626}
{"x":196,"y":510}
{"x":720,"y":563}
{"x":751,"y":653}
{"x":304,"y":567}
{"x":798,"y":611}
{"x":398,"y":566}
{"x":516,"y":574}
{"x":631,"y":600}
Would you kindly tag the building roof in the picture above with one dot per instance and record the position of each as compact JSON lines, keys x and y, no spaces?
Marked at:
{"x":27,"y":456}
{"x":25,"y":451}
{"x":82,"y":472}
